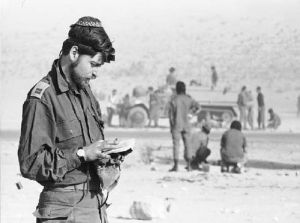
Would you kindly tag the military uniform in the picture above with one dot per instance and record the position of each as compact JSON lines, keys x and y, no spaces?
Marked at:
{"x":180,"y":107}
{"x":242,"y":105}
{"x":233,"y":146}
{"x":199,"y":150}
{"x":57,"y":121}
{"x":261,"y":110}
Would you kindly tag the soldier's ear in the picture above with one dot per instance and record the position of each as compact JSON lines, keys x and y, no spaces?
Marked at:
{"x":74,"y":54}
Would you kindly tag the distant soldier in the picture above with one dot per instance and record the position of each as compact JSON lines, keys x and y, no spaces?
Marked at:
{"x":124,"y":110}
{"x":154,"y":107}
{"x":298,"y":106}
{"x":242,"y":105}
{"x":274,"y":122}
{"x":112,"y":106}
{"x":214,"y":77}
{"x":250,"y":108}
{"x":171,"y":78}
{"x":233,"y":148}
{"x":199,"y":143}
{"x":180,"y":107}
{"x":261,"y":108}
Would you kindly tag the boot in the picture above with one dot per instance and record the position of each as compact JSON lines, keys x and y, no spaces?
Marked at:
{"x":175,"y":167}
{"x":188,"y":165}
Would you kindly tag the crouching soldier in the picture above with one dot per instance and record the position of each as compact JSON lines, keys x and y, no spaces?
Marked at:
{"x":199,"y":142}
{"x":233,"y":148}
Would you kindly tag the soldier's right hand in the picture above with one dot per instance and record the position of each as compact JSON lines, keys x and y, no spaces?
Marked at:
{"x":94,"y":151}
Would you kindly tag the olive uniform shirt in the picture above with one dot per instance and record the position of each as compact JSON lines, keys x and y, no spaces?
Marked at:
{"x":233,"y":146}
{"x":180,"y":107}
{"x":56,"y":121}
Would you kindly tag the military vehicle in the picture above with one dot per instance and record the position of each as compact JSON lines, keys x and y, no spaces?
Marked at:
{"x":219,"y":106}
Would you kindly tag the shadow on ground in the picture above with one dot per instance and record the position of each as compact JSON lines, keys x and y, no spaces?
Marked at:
{"x":258,"y":164}
{"x":264,"y":164}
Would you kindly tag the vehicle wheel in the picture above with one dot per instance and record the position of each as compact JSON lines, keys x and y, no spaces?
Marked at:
{"x":137,"y":117}
{"x":227,"y":117}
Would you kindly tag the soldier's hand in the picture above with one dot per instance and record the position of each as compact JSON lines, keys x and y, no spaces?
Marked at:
{"x":94,"y":151}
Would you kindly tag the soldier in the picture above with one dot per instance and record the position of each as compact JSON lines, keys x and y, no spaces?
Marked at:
{"x":298,"y":106}
{"x":124,"y":111}
{"x":249,"y":108}
{"x":199,"y":143}
{"x":180,"y":107}
{"x":214,"y":77}
{"x":112,"y":106}
{"x":62,"y":131}
{"x":233,"y":148}
{"x":154,"y":107}
{"x":171,"y":78}
{"x":261,"y":108}
{"x":242,"y":105}
{"x":274,"y":122}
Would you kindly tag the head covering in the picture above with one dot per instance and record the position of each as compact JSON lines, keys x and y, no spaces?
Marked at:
{"x":86,"y":22}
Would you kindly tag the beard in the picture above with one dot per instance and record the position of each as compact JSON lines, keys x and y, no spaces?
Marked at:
{"x":78,"y":79}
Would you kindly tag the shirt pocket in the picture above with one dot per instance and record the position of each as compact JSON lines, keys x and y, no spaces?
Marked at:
{"x":68,"y":129}
{"x":95,"y":129}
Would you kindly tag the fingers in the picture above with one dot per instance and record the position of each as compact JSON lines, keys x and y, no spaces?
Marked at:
{"x":101,"y":155}
{"x":99,"y":144}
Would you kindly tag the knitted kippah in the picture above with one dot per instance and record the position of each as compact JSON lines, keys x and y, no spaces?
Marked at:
{"x":88,"y":21}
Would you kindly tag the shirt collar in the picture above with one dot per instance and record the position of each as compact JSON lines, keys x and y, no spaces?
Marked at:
{"x":61,"y":82}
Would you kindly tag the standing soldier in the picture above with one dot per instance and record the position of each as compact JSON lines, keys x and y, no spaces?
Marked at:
{"x":250,"y":108}
{"x":112,"y":106}
{"x":214,"y":77}
{"x":298,"y":106}
{"x":242,"y":105}
{"x":154,"y":107}
{"x":261,"y":108}
{"x":62,"y":135}
{"x":180,"y":107}
{"x":171,"y":78}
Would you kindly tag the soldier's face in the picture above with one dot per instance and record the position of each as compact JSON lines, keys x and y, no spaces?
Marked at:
{"x":85,"y":68}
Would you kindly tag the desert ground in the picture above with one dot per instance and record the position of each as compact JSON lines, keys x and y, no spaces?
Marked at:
{"x":251,"y":42}
{"x":267,"y":191}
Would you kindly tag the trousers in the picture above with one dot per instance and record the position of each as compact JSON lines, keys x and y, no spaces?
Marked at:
{"x":59,"y":205}
{"x":185,"y":135}
{"x":261,"y":117}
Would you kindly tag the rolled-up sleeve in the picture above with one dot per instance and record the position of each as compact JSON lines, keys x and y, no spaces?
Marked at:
{"x":39,"y":158}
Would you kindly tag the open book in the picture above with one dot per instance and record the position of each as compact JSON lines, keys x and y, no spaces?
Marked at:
{"x":123,"y":147}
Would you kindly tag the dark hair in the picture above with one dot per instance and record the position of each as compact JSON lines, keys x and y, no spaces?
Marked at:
{"x":244,"y":88}
{"x":172,"y":69}
{"x":270,"y":110}
{"x":90,"y":38}
{"x":180,"y":87}
{"x":236,"y":125}
{"x":258,"y":88}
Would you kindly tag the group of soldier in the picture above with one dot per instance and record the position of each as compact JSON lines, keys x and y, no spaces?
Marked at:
{"x":246,"y":105}
{"x":233,"y":142}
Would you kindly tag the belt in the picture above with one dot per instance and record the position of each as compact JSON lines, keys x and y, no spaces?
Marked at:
{"x":76,"y":187}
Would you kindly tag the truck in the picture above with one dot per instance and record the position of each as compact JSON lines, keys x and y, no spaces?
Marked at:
{"x":215,"y":105}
